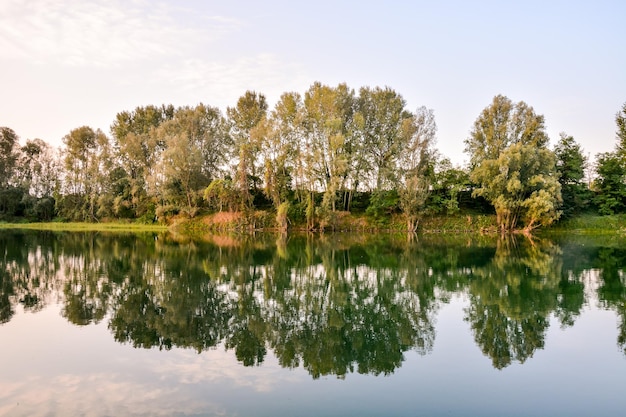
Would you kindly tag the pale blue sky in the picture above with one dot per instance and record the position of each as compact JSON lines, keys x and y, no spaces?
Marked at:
{"x":68,"y":63}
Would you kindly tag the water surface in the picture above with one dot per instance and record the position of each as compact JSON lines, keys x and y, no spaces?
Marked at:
{"x":101,"y":324}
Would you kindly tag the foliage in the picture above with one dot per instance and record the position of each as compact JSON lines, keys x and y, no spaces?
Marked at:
{"x":512,"y":166}
{"x":329,"y":151}
{"x":195,"y":148}
{"x":8,"y":155}
{"x":610,"y":183}
{"x":10,"y":202}
{"x":382,"y":204}
{"x":448,"y":183}
{"x":620,"y":121}
{"x":571,"y":165}
{"x":282,"y":215}
{"x":380,"y":122}
{"x":139,"y":148}
{"x":222,"y":195}
{"x":250,"y":110}
{"x":415,"y":166}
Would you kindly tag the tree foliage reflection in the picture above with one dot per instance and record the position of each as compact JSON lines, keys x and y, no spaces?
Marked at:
{"x":333,"y":305}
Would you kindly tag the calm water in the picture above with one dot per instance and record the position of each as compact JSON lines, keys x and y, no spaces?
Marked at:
{"x":95,"y":324}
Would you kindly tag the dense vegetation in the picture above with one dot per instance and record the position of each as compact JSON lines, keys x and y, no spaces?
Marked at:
{"x":307,"y":161}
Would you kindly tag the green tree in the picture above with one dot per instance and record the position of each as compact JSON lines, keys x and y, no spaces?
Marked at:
{"x":38,"y":168}
{"x":448,"y":183}
{"x":328,"y":127}
{"x":415,"y":166}
{"x":514,"y":170}
{"x":571,"y":165}
{"x":279,"y":136}
{"x":134,"y":135}
{"x":381,"y":119}
{"x":86,"y":158}
{"x":195,"y":148}
{"x":8,"y":156}
{"x":250,"y":110}
{"x":620,"y":120}
{"x":38,"y":175}
{"x":610,"y":183}
{"x":222,"y":195}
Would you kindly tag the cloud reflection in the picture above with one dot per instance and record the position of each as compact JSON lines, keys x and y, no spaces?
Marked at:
{"x":165,"y":385}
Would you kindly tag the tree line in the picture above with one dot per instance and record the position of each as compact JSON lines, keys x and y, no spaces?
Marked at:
{"x":308,"y":159}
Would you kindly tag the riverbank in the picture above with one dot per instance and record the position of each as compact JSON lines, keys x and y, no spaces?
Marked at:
{"x":83,"y":226}
{"x":342,"y":222}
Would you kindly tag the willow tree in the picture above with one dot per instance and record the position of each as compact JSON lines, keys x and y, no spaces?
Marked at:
{"x":415,"y":165}
{"x":512,"y":166}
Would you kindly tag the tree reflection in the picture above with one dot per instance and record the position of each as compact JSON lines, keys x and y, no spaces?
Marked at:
{"x":28,"y":272}
{"x":334,"y":304}
{"x":167,"y":300}
{"x":512,"y":297}
{"x":611,"y":263}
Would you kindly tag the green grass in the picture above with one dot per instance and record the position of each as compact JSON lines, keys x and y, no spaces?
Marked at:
{"x":581,"y":224}
{"x":86,"y":227}
{"x":591,"y":224}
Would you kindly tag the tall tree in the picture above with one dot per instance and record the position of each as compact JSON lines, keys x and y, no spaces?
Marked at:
{"x":38,"y":175}
{"x":8,"y":155}
{"x":139,"y":149}
{"x":195,"y":148}
{"x":86,"y":157}
{"x":380,"y":120}
{"x":416,"y":165}
{"x":250,"y":110}
{"x":571,"y":165}
{"x":279,"y":137}
{"x":620,"y":120}
{"x":512,"y":166}
{"x":328,"y":123}
{"x":610,"y":183}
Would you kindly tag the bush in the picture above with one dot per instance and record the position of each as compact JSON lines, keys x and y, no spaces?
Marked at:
{"x":382,"y":205}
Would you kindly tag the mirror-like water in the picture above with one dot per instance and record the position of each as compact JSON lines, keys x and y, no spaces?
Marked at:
{"x":97,"y":324}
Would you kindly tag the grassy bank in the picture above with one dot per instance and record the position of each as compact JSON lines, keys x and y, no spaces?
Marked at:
{"x":87,"y":227}
{"x":342,"y":222}
{"x":591,"y":224}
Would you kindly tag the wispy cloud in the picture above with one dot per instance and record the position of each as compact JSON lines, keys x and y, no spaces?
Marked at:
{"x":265,"y":73}
{"x":103,"y":33}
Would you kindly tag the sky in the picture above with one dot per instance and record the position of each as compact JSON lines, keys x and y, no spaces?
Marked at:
{"x":71,"y":63}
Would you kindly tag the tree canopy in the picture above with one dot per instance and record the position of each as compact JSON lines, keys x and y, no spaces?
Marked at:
{"x":511,"y":165}
{"x":307,"y":159}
